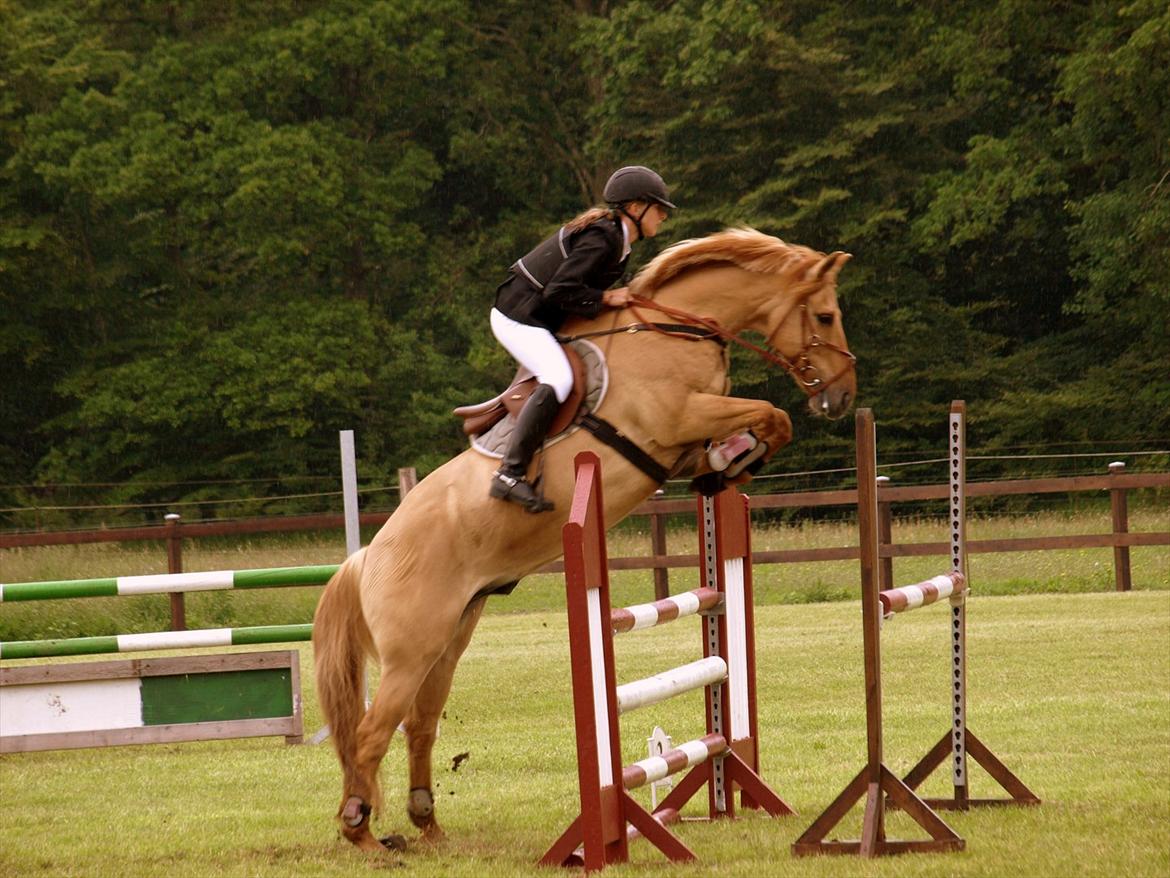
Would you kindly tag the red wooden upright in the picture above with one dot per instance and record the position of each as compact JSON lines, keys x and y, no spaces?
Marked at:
{"x":723,"y":760}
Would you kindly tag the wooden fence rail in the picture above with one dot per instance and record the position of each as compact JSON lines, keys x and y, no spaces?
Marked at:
{"x":1117,"y":482}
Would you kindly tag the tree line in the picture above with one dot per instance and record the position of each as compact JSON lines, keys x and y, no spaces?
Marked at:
{"x":230,"y":228}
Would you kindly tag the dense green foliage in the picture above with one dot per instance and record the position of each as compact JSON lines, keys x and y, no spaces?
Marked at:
{"x":229,"y":228}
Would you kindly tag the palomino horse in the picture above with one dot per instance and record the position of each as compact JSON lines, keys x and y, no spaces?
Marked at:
{"x":412,"y":598}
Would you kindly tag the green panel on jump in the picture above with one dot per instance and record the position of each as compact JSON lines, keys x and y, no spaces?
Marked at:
{"x":217,"y":697}
{"x":313,"y":575}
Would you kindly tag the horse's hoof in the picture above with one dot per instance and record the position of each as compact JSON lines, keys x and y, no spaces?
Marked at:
{"x":393,"y":842}
{"x":709,"y":484}
{"x":364,"y":840}
{"x":432,"y":835}
{"x":355,"y":824}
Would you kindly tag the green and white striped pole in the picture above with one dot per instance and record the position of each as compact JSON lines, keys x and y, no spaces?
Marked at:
{"x":24,"y":649}
{"x":162,"y":583}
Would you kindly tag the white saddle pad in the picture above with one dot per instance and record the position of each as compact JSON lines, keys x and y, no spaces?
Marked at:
{"x":494,"y":442}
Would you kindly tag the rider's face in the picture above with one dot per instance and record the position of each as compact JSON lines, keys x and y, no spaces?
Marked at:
{"x":655,"y":215}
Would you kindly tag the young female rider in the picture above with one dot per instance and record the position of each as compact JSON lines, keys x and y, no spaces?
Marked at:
{"x":567,"y":274}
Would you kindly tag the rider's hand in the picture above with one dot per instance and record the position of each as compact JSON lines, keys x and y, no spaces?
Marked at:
{"x":616,"y":298}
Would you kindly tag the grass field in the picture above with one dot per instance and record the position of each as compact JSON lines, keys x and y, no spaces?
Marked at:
{"x":1071,"y":691}
{"x":1069,"y":685}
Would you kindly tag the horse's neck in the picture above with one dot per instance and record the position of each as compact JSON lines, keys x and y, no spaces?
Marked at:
{"x":734,"y":297}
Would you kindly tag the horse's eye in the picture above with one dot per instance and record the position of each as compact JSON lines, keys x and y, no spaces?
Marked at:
{"x":825,"y":319}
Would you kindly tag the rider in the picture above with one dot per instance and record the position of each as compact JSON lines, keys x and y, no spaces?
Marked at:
{"x":567,"y":274}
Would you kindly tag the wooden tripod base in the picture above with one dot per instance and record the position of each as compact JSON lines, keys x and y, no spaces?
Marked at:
{"x":1019,"y":794}
{"x":873,"y":841}
{"x":567,"y":850}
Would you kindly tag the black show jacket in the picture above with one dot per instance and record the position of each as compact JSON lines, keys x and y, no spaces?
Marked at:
{"x":594,"y":263}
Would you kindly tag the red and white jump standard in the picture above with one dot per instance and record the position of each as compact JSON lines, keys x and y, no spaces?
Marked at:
{"x":881,"y":787}
{"x":727,"y":757}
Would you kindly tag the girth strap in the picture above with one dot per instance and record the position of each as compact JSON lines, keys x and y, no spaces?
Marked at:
{"x":608,"y":434}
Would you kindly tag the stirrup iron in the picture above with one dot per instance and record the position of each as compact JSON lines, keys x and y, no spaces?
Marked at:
{"x":517,"y":490}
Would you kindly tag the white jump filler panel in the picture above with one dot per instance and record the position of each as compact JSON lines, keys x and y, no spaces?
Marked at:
{"x":83,"y":706}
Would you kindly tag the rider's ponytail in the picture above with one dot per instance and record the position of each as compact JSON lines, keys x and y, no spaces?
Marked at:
{"x":588,"y":218}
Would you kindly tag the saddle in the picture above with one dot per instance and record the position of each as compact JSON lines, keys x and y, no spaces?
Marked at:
{"x":481,"y":417}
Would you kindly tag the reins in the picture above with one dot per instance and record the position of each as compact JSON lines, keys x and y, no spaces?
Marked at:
{"x":801,"y":368}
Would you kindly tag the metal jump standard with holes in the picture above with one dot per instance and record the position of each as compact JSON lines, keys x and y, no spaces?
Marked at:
{"x":880,"y":787}
{"x":723,"y":760}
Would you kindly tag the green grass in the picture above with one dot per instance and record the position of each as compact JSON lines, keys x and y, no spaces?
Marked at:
{"x":1071,"y":691}
{"x":1056,"y":571}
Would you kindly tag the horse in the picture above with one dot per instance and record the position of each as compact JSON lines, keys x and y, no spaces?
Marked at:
{"x":410,"y":600}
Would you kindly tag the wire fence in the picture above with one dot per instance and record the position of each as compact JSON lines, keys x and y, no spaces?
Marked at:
{"x":65,"y":505}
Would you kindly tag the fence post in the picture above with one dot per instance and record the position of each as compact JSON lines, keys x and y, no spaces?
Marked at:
{"x":885,"y":537}
{"x":658,"y":549}
{"x":175,"y":565}
{"x":1119,"y":502}
{"x":407,"y":479}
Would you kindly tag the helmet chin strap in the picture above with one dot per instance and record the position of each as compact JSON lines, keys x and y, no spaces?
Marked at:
{"x":636,"y":220}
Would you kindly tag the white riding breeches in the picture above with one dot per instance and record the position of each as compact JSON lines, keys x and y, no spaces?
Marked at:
{"x":535,"y":348}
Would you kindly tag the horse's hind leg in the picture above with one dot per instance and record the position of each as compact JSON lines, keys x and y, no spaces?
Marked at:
{"x":395,"y":691}
{"x":422,"y":725}
{"x":412,"y":667}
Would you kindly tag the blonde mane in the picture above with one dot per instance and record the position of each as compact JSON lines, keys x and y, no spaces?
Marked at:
{"x":744,"y":247}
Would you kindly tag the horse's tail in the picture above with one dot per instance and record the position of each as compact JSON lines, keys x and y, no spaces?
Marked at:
{"x":339,"y":638}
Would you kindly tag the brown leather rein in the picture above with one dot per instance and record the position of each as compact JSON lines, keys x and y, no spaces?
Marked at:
{"x":800,"y":367}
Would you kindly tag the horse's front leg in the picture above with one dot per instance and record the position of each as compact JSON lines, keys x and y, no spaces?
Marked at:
{"x":422,"y":723}
{"x":709,"y":416}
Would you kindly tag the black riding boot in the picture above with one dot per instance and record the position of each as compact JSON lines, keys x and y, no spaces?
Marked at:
{"x":510,"y":482}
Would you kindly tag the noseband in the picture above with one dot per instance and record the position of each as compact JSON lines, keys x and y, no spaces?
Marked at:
{"x":800,"y":367}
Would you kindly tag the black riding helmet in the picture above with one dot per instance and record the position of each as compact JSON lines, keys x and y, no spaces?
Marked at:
{"x":636,"y":183}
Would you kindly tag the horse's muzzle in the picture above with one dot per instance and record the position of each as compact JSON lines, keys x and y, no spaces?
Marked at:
{"x":832,"y":403}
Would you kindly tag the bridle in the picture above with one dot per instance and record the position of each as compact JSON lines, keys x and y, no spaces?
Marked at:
{"x":800,"y":367}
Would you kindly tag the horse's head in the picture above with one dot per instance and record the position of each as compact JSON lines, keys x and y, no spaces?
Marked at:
{"x":785,"y":291}
{"x":805,"y":328}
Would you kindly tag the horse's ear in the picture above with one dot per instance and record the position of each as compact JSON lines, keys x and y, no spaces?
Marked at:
{"x":829,"y":267}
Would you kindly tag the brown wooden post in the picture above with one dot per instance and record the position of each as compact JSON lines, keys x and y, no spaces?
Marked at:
{"x":407,"y":479}
{"x":885,"y":537}
{"x":1120,"y":506}
{"x":875,"y":783}
{"x":873,"y":830}
{"x":658,"y":549}
{"x":175,"y":565}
